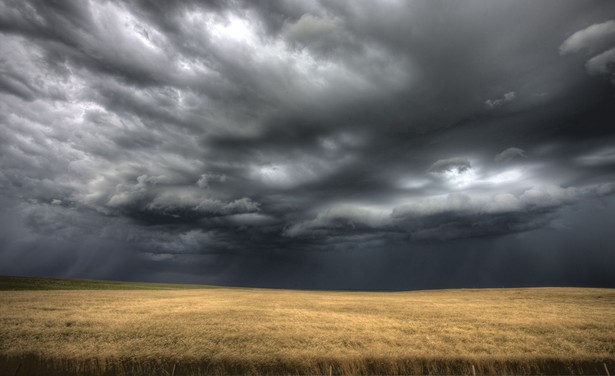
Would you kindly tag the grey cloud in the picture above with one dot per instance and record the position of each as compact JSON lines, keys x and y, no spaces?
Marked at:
{"x":453,"y":216}
{"x":605,"y":189}
{"x":15,"y":76}
{"x":148,"y":194}
{"x":507,"y":97}
{"x":339,"y":218}
{"x":592,"y":39}
{"x":173,"y":201}
{"x":16,"y":86}
{"x":312,"y":29}
{"x":457,"y":216}
{"x":509,"y":154}
{"x":207,"y":178}
{"x":466,"y":217}
{"x":602,"y":63}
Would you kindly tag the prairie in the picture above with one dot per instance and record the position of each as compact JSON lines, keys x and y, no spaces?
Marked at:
{"x":260,"y":331}
{"x":13,"y":283}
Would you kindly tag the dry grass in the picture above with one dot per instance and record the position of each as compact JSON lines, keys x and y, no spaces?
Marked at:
{"x":552,"y":330}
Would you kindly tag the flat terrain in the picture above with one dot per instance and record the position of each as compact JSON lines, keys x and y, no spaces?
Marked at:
{"x":258,"y":331}
{"x":37,"y":283}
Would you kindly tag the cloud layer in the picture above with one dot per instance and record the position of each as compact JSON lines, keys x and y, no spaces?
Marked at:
{"x":213,"y":141}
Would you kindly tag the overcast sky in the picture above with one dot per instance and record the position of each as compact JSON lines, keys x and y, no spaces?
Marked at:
{"x":309,"y":144}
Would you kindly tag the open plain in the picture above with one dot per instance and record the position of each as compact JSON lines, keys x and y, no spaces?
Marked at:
{"x":260,"y":331}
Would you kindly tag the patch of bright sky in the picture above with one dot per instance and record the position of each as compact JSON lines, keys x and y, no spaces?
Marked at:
{"x":233,"y":28}
{"x":460,"y":179}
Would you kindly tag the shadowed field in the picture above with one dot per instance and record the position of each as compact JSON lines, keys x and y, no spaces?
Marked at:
{"x":36,"y":283}
{"x":219,"y":331}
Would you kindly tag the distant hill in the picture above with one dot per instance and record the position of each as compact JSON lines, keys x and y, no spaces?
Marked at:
{"x":12,"y":283}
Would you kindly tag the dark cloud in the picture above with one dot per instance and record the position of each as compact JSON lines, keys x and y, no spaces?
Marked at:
{"x":214,"y":141}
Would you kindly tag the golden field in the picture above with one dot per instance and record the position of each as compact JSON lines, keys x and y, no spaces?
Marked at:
{"x":259,"y":331}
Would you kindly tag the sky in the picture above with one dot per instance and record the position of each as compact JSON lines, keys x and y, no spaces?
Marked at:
{"x":375,"y":145}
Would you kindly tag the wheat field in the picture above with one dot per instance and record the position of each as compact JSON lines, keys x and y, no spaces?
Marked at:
{"x":259,"y":331}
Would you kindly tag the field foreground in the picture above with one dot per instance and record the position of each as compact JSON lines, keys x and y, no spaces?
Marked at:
{"x":239,"y":331}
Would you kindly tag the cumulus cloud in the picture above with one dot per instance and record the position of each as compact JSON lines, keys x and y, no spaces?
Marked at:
{"x":509,"y":154}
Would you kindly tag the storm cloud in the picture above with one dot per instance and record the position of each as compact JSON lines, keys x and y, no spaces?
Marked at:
{"x":220,"y":142}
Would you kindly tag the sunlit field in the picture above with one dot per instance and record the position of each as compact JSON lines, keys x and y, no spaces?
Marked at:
{"x":258,"y":331}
